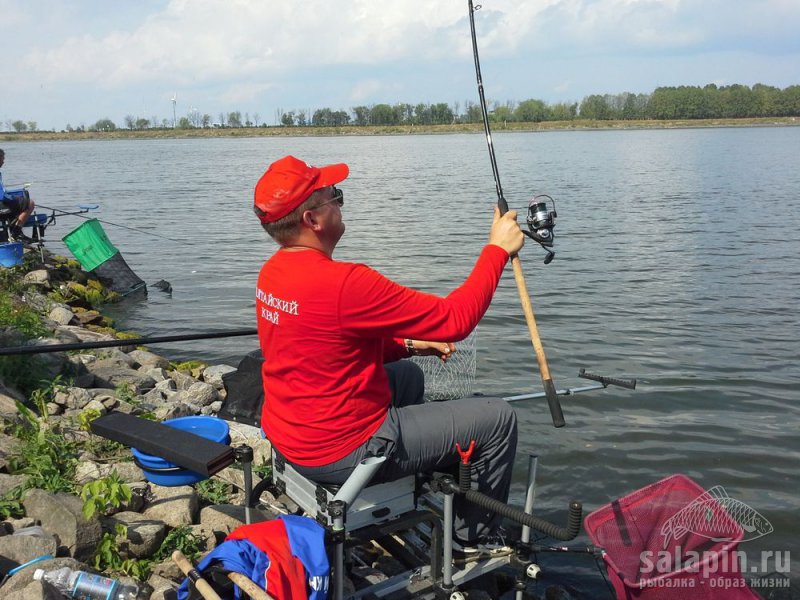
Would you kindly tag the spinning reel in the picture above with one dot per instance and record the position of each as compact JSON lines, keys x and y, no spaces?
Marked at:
{"x":541,"y":222}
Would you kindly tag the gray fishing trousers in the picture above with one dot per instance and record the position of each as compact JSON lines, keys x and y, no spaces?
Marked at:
{"x":420,"y":437}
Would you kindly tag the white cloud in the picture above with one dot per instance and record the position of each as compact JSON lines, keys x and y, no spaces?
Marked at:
{"x":315,"y":51}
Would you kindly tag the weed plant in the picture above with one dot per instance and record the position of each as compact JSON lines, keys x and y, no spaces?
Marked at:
{"x":109,"y":556}
{"x":18,"y":324}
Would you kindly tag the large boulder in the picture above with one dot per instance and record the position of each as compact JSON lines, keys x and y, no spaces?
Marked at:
{"x":61,"y":315}
{"x":175,"y":506}
{"x":61,"y":515}
{"x":149,"y":360}
{"x":144,"y":535}
{"x":16,"y":550}
{"x":23,"y":587}
{"x":113,"y":377}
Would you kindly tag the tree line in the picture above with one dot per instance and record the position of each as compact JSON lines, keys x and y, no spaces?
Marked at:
{"x":664,"y":103}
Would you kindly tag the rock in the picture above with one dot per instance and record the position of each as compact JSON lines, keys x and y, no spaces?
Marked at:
{"x":18,"y":549}
{"x":72,"y":397}
{"x":8,"y":405}
{"x":174,"y":506}
{"x":140,"y":490}
{"x":108,"y":402}
{"x":149,"y":359}
{"x":84,"y":335}
{"x":8,"y":446}
{"x":163,"y":588}
{"x":168,"y":570}
{"x":40,"y":277}
{"x":128,"y":408}
{"x":113,"y":377}
{"x":198,"y":394}
{"x":86,"y":472}
{"x":22,"y":586}
{"x":127,"y":472}
{"x":84,"y":359}
{"x":9,"y":482}
{"x":21,"y":523}
{"x":173,"y":411}
{"x":95,"y":404}
{"x":144,"y":535}
{"x":65,"y":336}
{"x":89,"y":317}
{"x":61,"y":315}
{"x":39,"y":302}
{"x":182,"y":380}
{"x":155,"y":396}
{"x":167,"y":385}
{"x":52,"y":362}
{"x":243,"y":434}
{"x":112,"y":357}
{"x":224,"y":518}
{"x":61,"y":515}
{"x":207,"y":534}
{"x":213,"y":374}
{"x":35,"y":590}
{"x":157,"y":373}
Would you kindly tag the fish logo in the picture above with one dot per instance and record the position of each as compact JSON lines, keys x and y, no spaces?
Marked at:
{"x":717,"y":516}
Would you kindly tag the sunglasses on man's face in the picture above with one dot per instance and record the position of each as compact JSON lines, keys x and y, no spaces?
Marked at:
{"x":338,"y":197}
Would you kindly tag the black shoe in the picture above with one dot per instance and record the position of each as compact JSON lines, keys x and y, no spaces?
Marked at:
{"x":15,"y":234}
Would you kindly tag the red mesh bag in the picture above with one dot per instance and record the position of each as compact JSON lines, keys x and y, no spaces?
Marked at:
{"x":670,"y":540}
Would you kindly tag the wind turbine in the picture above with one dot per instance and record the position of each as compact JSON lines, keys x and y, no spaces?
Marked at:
{"x":174,"y":102}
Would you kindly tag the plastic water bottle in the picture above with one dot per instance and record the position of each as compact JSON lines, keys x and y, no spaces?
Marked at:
{"x":86,"y":586}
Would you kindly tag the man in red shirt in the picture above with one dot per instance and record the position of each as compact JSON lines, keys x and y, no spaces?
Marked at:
{"x":332,"y":334}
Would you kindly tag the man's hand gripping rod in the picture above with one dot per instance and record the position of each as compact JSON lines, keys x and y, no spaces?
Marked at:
{"x":547,"y":381}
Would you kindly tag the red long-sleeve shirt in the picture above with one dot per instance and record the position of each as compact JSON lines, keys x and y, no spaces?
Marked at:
{"x":326,"y":328}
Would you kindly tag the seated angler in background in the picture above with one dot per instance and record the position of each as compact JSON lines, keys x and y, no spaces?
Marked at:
{"x":333,"y":335}
{"x":17,"y":208}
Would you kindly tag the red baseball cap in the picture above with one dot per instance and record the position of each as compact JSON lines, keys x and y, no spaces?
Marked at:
{"x":288,"y":182}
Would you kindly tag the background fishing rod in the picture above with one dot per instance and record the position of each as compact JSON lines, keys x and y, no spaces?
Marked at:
{"x":547,"y":381}
{"x":87,"y":207}
{"x":43,"y":349}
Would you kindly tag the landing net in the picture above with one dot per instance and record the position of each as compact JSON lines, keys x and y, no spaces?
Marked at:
{"x":452,"y":379}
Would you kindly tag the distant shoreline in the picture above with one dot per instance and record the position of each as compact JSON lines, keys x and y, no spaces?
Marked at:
{"x":352,"y":130}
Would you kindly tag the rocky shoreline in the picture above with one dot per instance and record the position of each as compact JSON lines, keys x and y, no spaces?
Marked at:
{"x":86,"y":384}
{"x":135,"y":534}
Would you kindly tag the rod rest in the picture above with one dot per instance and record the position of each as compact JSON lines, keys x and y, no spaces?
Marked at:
{"x":570,"y":532}
{"x":182,"y":448}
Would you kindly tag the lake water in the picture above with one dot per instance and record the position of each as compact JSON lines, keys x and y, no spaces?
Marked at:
{"x":677,"y":263}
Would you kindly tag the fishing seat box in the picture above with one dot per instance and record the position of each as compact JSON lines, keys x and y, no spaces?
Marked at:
{"x":375,"y":504}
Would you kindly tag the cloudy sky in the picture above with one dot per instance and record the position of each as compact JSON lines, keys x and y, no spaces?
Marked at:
{"x":74,"y":62}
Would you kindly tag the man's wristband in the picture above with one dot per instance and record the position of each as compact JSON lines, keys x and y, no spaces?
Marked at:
{"x":410,"y":347}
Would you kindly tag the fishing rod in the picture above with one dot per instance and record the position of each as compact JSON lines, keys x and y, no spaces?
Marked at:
{"x":43,"y":349}
{"x":547,"y":381}
{"x":92,"y":207}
